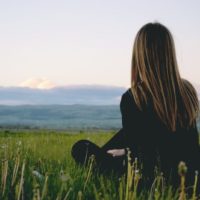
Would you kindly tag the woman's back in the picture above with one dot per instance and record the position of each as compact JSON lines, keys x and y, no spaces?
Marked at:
{"x":160,"y":109}
{"x":153,"y":143}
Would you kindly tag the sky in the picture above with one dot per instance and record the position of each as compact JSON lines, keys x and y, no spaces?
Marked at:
{"x":45,"y":43}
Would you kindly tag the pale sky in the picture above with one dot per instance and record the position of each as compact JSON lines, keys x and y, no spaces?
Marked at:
{"x":47,"y":43}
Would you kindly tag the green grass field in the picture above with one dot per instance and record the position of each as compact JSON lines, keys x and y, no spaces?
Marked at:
{"x":38,"y":165}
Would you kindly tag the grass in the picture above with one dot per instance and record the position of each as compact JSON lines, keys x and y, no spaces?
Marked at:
{"x":38,"y":165}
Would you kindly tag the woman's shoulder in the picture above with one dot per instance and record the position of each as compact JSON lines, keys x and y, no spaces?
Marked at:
{"x":188,"y":85}
{"x":127,"y":95}
{"x":190,"y":91}
{"x":127,"y":100}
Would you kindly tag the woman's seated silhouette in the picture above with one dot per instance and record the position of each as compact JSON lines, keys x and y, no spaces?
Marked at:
{"x":159,"y":113}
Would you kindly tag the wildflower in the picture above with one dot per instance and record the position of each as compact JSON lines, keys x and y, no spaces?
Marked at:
{"x":182,"y":168}
{"x":64,"y":176}
{"x":37,"y":174}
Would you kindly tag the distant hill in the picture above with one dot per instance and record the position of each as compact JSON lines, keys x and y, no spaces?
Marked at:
{"x":75,"y":117}
{"x":80,"y":94}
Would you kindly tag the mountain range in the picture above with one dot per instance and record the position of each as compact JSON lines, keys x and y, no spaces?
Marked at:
{"x":79,"y":94}
{"x":65,"y":95}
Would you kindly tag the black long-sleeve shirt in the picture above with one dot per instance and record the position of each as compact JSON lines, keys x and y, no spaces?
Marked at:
{"x":153,"y":143}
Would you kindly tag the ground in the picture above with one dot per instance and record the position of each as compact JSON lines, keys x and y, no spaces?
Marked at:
{"x":38,"y":165}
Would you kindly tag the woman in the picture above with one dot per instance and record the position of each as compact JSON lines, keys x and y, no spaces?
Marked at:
{"x":159,"y":113}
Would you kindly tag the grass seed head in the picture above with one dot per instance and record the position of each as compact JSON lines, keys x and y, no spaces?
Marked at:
{"x":182,"y":168}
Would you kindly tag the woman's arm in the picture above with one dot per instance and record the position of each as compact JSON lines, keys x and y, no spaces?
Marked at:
{"x":131,"y":123}
{"x":115,"y":142}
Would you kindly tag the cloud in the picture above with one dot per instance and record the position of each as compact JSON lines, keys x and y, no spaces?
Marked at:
{"x":39,"y":83}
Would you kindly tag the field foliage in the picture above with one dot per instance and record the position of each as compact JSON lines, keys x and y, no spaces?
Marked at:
{"x":38,"y":165}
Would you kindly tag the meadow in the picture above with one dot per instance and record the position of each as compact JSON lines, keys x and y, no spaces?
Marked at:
{"x":38,"y":165}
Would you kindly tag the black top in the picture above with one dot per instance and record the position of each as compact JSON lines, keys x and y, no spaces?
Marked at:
{"x":153,"y":143}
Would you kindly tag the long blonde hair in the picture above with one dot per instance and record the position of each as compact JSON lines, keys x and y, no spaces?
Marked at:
{"x":155,"y":74}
